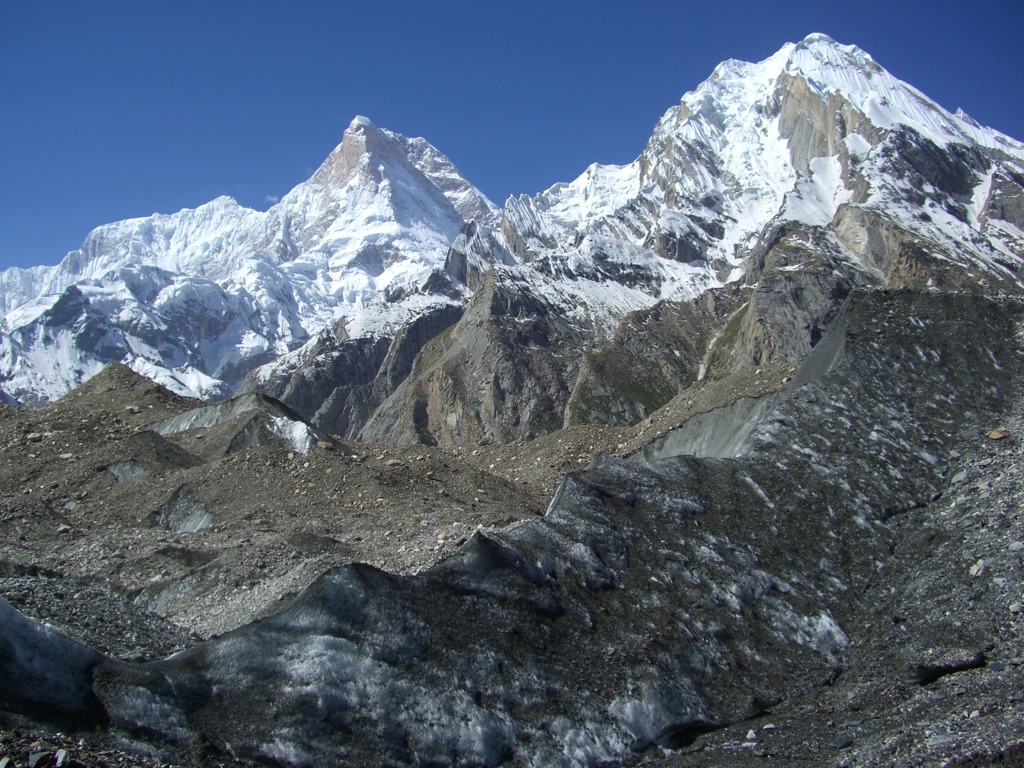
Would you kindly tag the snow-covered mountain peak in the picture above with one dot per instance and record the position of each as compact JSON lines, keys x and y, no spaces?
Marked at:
{"x":820,"y":45}
{"x":817,"y":37}
{"x":738,"y":88}
{"x":196,"y":298}
{"x":731,"y":121}
{"x":845,"y":70}
{"x":220,"y":202}
{"x":794,"y":137}
{"x":817,"y":135}
{"x":735,"y":87}
{"x":377,"y":173}
{"x":360,"y":144}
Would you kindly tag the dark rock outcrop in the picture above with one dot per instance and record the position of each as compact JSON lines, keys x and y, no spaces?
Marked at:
{"x":503,"y":372}
{"x":339,"y":383}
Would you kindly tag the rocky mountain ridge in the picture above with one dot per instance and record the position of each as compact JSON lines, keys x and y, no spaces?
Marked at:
{"x":759,"y":203}
{"x":816,"y":144}
{"x":198,"y":298}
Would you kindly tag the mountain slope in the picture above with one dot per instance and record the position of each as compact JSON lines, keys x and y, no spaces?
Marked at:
{"x":793,"y":180}
{"x":759,"y":203}
{"x":807,"y":577}
{"x":197,"y":298}
{"x":793,"y":137}
{"x":773,"y":363}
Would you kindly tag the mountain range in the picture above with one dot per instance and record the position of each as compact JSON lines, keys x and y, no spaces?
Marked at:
{"x":814,"y":170}
{"x":197,"y":298}
{"x":711,"y":459}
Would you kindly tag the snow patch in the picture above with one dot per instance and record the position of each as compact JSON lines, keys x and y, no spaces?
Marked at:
{"x":818,"y":196}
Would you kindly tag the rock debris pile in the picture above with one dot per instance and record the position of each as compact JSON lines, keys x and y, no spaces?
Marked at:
{"x":842,"y":586}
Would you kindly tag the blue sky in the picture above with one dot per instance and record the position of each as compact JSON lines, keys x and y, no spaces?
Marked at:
{"x":111,"y":110}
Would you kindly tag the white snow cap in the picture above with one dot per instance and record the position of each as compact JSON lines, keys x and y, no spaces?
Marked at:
{"x":360,"y":121}
{"x":818,"y":37}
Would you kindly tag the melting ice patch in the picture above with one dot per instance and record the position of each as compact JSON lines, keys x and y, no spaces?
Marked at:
{"x":299,"y":435}
{"x":42,"y":667}
{"x":821,"y":633}
{"x":659,"y":708}
{"x":184,"y":513}
{"x":126,"y":470}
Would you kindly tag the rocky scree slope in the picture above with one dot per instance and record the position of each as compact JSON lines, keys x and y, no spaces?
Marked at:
{"x":212,"y":516}
{"x":761,"y":200}
{"x":664,"y":605}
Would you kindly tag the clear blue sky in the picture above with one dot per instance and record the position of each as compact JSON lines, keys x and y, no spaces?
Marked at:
{"x":111,"y":110}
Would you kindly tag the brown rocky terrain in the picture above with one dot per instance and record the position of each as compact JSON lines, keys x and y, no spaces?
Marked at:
{"x":86,"y":482}
{"x":848,"y":569}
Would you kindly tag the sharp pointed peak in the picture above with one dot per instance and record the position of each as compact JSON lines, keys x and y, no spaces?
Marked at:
{"x":360,"y":121}
{"x":363,"y":129}
{"x":364,"y":137}
{"x":817,"y":37}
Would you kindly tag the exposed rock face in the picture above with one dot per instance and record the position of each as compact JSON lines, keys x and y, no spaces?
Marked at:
{"x":502,"y":372}
{"x":654,"y":355}
{"x":797,"y":179}
{"x":472,"y":254}
{"x":339,"y":383}
{"x":1006,"y":201}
